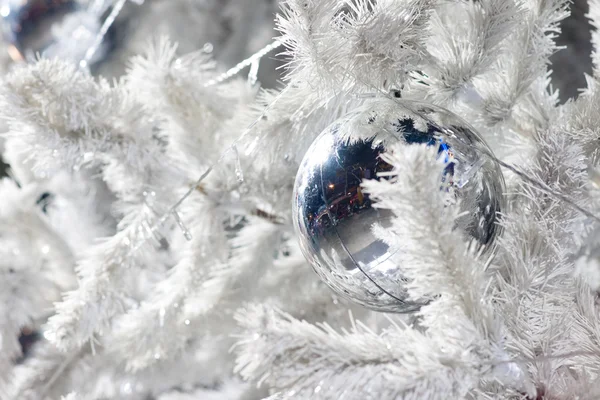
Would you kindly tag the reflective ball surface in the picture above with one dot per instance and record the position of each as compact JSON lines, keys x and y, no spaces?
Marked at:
{"x":51,"y":28}
{"x":27,"y":24}
{"x":334,"y":218}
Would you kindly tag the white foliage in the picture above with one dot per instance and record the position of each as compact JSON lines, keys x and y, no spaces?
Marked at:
{"x":146,"y":313}
{"x":174,"y":91}
{"x":91,"y":124}
{"x":594,"y":16}
{"x":35,"y":265}
{"x":468,"y":48}
{"x":228,"y":390}
{"x":57,"y":109}
{"x":317,"y":362}
{"x":367,"y":41}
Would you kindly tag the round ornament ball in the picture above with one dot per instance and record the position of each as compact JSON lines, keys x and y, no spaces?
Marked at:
{"x":51,"y":28}
{"x":334,"y":218}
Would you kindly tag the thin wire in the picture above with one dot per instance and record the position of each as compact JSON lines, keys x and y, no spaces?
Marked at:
{"x":108,"y":22}
{"x":58,"y":372}
{"x":543,"y":187}
{"x":548,"y":357}
{"x":230,"y":73}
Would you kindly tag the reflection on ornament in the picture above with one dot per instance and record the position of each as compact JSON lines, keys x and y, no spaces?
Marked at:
{"x":51,"y":28}
{"x":44,"y":201}
{"x":27,"y":339}
{"x":335,"y":219}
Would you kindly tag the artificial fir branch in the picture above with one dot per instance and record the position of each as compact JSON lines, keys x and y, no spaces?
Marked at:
{"x":165,"y":310}
{"x":90,"y":123}
{"x":30,"y":282}
{"x":594,"y":16}
{"x":306,"y":361}
{"x":468,"y":50}
{"x":361,"y":40}
{"x":540,"y":275}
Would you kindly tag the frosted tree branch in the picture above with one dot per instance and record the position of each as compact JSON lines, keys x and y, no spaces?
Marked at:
{"x":361,"y":40}
{"x":31,"y":280}
{"x":306,"y":361}
{"x":196,"y":287}
{"x":594,"y":16}
{"x":90,"y":123}
{"x":467,"y":50}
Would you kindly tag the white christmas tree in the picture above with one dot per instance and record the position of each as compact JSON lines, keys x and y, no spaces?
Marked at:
{"x":146,"y":234}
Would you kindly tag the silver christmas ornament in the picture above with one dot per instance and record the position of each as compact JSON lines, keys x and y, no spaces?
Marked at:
{"x":334,"y":218}
{"x":52,"y":28}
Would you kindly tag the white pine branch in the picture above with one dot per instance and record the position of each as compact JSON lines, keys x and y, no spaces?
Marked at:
{"x":594,"y":17}
{"x":310,"y":362}
{"x":90,"y":122}
{"x":252,"y":254}
{"x":517,"y":88}
{"x":35,"y":264}
{"x":59,"y":110}
{"x":132,"y":339}
{"x":370,"y":43}
{"x":537,"y":295}
{"x":174,"y":91}
{"x":582,"y":123}
{"x":196,"y":287}
{"x":231,"y":389}
{"x":101,"y":294}
{"x":436,"y":260}
{"x":433,"y":254}
{"x":462,"y":52}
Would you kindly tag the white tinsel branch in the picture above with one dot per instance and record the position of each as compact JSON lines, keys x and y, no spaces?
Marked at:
{"x":31,"y":280}
{"x":312,"y":362}
{"x":362,"y":40}
{"x":88,"y":124}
